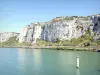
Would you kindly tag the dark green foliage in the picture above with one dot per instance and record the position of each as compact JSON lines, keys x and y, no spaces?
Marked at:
{"x":87,"y":32}
{"x":87,"y":37}
{"x":80,"y":27}
{"x":98,"y":42}
{"x":58,"y":40}
{"x":91,"y":24}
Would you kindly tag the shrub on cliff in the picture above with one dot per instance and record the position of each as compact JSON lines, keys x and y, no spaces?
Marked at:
{"x":57,"y":40}
{"x":87,"y":37}
{"x":25,"y":44}
{"x":98,"y":42}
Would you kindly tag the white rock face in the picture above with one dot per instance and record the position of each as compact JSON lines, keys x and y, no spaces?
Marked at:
{"x":64,"y":28}
{"x":4,"y":36}
{"x":96,"y":28}
{"x":61,"y":30}
{"x":30,"y":33}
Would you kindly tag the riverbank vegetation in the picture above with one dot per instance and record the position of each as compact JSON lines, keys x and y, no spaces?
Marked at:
{"x":82,"y":42}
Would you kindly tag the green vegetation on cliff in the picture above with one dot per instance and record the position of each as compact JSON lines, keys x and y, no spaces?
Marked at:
{"x":10,"y":42}
{"x":13,"y":42}
{"x":83,"y":41}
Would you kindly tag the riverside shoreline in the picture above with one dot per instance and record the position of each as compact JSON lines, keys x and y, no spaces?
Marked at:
{"x":72,"y":48}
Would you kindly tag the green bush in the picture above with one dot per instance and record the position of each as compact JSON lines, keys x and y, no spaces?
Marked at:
{"x":84,"y":40}
{"x":87,"y":37}
{"x":58,"y":40}
{"x":91,"y":24}
{"x":25,"y":44}
{"x":98,"y":42}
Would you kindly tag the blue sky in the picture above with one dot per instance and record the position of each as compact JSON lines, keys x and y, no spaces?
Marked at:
{"x":15,"y":14}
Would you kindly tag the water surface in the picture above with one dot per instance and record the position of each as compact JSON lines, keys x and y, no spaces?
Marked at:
{"x":17,"y":61}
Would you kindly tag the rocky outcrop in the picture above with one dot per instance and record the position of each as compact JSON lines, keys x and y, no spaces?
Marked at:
{"x":96,"y":27}
{"x":66,"y":29}
{"x":30,"y":33}
{"x":62,"y":28}
{"x":4,"y":36}
{"x":59,"y":30}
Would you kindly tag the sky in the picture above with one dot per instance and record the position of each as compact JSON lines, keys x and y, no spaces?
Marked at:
{"x":15,"y":14}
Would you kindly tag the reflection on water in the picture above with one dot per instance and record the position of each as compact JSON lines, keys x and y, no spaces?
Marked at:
{"x":78,"y":72}
{"x":70,"y":58}
{"x":21,"y":57}
{"x":47,"y":62}
{"x":37,"y":57}
{"x":37,"y":60}
{"x":31,"y":58}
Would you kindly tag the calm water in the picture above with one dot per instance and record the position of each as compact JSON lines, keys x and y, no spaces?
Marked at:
{"x":14,"y":61}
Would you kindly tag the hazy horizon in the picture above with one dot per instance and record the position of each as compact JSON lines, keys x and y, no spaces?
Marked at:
{"x":15,"y":14}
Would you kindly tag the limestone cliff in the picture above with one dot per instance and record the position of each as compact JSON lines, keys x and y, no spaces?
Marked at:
{"x":66,"y":28}
{"x":62,"y":28}
{"x":96,"y":27}
{"x":30,"y":33}
{"x":4,"y":36}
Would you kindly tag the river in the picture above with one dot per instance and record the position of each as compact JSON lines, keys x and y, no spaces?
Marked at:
{"x":19,"y":61}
